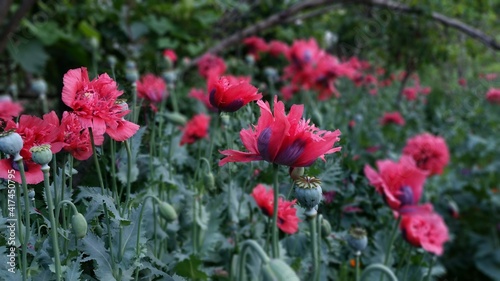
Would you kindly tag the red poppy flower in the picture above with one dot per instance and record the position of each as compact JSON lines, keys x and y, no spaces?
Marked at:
{"x":255,"y":45}
{"x":392,"y":118}
{"x":422,"y":227}
{"x":287,"y":221}
{"x":462,"y":82}
{"x":429,"y":152}
{"x":210,"y":64}
{"x":288,"y":91}
{"x":202,"y":96}
{"x":401,"y":183}
{"x":195,"y":129}
{"x":35,"y":132}
{"x":94,"y":102}
{"x":493,"y":95}
{"x":229,"y":93}
{"x":281,"y":139}
{"x":170,"y":54}
{"x":153,"y":89}
{"x":410,"y":93}
{"x":277,"y":48}
{"x":76,"y":138}
{"x":9,"y":109}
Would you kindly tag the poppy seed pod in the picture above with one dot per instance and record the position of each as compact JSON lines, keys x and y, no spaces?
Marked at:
{"x":167,"y":211}
{"x":79,"y":224}
{"x":11,"y":143}
{"x":308,"y":191}
{"x":42,"y":155}
{"x":278,"y":270}
{"x":357,"y":239}
{"x":39,"y":86}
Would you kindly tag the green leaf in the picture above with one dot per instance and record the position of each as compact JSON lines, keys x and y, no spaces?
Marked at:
{"x":47,"y":32}
{"x":73,"y":271}
{"x":88,"y":30}
{"x":94,"y":247}
{"x":189,"y":268}
{"x":30,"y":55}
{"x":159,"y":25}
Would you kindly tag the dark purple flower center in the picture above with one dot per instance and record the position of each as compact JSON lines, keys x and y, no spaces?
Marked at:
{"x":405,"y":195}
{"x":211,"y":96}
{"x":263,"y":143}
{"x":290,"y":154}
{"x":233,"y":106}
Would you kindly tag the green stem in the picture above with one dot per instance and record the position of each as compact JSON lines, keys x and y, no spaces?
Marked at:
{"x":195,"y":226}
{"x":431,"y":265}
{"x":61,"y":203}
{"x":357,"y":265}
{"x":274,"y":225}
{"x":173,"y":97}
{"x":53,"y":223}
{"x":378,"y":267}
{"x":112,"y":144}
{"x":24,"y":266}
{"x":245,"y":246}
{"x":27,"y":231}
{"x":96,"y":161}
{"x":391,"y":241}
{"x":141,"y":214}
{"x":216,"y":129}
{"x":129,"y":173}
{"x":314,"y":246}
{"x":135,"y":110}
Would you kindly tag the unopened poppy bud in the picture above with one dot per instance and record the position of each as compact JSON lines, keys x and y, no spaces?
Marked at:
{"x":42,"y":155}
{"x":326,"y":228}
{"x":453,"y":209}
{"x":209,"y":181}
{"x":278,"y":270}
{"x":308,"y":193}
{"x":296,"y":172}
{"x":39,"y":86}
{"x":167,"y":211}
{"x":111,"y":61}
{"x":357,"y":239}
{"x":79,"y":224}
{"x":11,"y":143}
{"x":250,"y":59}
{"x":132,"y":75}
{"x":271,"y":73}
{"x":176,"y":118}
{"x":31,"y":194}
{"x":170,"y":76}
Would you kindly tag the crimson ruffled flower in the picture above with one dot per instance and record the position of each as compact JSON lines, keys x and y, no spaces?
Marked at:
{"x":392,"y":118}
{"x":76,"y":139}
{"x":493,"y":96}
{"x":210,"y":64}
{"x":255,"y":45}
{"x":94,"y":102}
{"x":153,"y":89}
{"x":288,"y":221}
{"x":283,"y":139}
{"x":9,"y":109}
{"x":195,"y":129}
{"x":229,"y":93}
{"x":422,"y":227}
{"x":429,"y":152}
{"x":400,"y":183}
{"x":35,"y":132}
{"x":410,"y":93}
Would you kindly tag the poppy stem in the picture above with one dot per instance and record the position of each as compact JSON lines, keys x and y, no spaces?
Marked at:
{"x":274,"y":225}
{"x":378,"y":267}
{"x":245,"y":246}
{"x":358,"y":254}
{"x":431,"y":265}
{"x":129,"y":174}
{"x":24,"y":258}
{"x":314,"y":244}
{"x":53,"y":223}
{"x":391,"y":241}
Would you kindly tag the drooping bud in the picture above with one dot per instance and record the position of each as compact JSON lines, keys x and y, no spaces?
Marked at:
{"x":176,"y":118}
{"x":42,"y":155}
{"x":11,"y":143}
{"x":209,"y":180}
{"x":79,"y":224}
{"x":308,"y":193}
{"x":278,"y":270}
{"x":167,"y":211}
{"x":357,"y":239}
{"x":296,"y":172}
{"x":326,"y":228}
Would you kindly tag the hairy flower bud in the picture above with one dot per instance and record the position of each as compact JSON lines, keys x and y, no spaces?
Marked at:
{"x":42,"y":155}
{"x":11,"y":143}
{"x":326,"y":228}
{"x":167,"y":211}
{"x":209,"y":181}
{"x":79,"y":224}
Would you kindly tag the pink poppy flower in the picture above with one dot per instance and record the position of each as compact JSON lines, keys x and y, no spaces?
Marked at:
{"x":153,"y":89}
{"x":210,"y":64}
{"x":429,"y":152}
{"x":283,"y":139}
{"x":202,"y":96}
{"x":94,"y":102}
{"x":170,"y":54}
{"x":255,"y":45}
{"x":195,"y":129}
{"x":400,"y":183}
{"x":76,"y":139}
{"x":229,"y":93}
{"x":9,"y":109}
{"x":277,"y":48}
{"x":493,"y":96}
{"x":422,"y":227}
{"x":410,"y":93}
{"x":392,"y":118}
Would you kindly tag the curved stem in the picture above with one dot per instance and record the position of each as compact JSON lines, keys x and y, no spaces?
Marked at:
{"x":274,"y":224}
{"x":378,"y":267}
{"x":244,"y":247}
{"x":53,"y":223}
{"x":27,"y":231}
{"x":62,"y":202}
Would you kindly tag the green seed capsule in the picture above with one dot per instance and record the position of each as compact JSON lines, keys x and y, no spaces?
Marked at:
{"x":79,"y":224}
